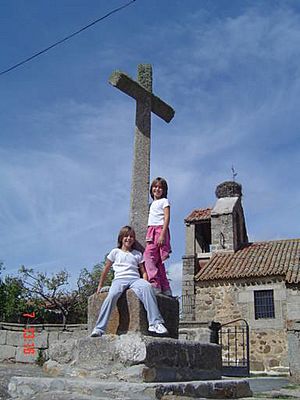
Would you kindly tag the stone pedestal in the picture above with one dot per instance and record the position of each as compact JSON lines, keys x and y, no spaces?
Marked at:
{"x":134,"y":365}
{"x":130,"y":314}
{"x":134,"y":357}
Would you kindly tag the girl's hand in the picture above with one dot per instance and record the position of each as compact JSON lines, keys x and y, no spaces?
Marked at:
{"x":161,"y":240}
{"x":99,"y":288}
{"x":145,"y":276}
{"x":143,"y":271}
{"x":106,"y":268}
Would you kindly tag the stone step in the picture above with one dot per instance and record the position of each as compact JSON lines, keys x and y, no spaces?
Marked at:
{"x":28,"y":388}
{"x":61,"y":395}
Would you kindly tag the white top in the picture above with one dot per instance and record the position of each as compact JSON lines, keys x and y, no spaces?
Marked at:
{"x":156,"y":212}
{"x":125,"y":263}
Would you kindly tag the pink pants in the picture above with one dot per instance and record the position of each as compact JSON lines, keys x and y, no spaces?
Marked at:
{"x":154,"y":256}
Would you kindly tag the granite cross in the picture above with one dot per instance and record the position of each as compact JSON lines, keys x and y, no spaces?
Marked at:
{"x":146,"y":102}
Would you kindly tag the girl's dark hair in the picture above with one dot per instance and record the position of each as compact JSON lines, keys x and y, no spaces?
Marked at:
{"x":164,"y":185}
{"x":124,"y":231}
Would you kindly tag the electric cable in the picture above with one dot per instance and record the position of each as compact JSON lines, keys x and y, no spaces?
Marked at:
{"x":66,"y":38}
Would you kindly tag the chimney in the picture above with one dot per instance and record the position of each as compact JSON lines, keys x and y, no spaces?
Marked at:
{"x":228,"y":227}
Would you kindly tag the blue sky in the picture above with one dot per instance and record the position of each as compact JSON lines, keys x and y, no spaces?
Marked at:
{"x":231,"y":71}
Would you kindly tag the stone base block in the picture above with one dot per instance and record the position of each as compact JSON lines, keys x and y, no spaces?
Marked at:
{"x":138,"y":358}
{"x":130,"y":314}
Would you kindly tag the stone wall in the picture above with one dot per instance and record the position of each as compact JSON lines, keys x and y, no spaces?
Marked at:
{"x":222,"y":232}
{"x":192,"y":330}
{"x":13,"y":343}
{"x":268,"y":350}
{"x":230,"y":301}
{"x":293,"y":333}
{"x":188,"y":288}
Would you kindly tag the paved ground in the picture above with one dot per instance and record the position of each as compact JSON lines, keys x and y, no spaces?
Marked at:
{"x":266,"y":388}
{"x":267,"y":384}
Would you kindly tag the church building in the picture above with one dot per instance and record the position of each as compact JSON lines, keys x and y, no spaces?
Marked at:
{"x":227,"y":278}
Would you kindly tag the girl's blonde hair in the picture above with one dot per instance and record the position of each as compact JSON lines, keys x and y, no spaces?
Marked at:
{"x":124,"y":231}
{"x":164,"y":186}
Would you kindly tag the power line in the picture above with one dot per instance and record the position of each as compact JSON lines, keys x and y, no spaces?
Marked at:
{"x":66,"y":38}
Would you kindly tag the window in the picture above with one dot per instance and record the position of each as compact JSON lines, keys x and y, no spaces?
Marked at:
{"x":264,"y":304}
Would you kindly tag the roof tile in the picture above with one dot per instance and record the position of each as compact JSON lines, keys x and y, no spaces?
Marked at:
{"x":278,"y":257}
{"x":201,"y":214}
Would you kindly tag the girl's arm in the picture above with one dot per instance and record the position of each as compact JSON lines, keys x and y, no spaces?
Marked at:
{"x":106,"y":268}
{"x":161,"y":238}
{"x":143,"y":271}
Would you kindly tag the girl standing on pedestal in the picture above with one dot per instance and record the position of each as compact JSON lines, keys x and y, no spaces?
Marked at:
{"x":158,"y":246}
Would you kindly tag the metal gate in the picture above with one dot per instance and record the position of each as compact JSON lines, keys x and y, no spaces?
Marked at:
{"x":234,"y":340}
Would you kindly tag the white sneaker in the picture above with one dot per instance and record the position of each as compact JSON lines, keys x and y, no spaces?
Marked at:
{"x":96,"y":333}
{"x":158,"y":328}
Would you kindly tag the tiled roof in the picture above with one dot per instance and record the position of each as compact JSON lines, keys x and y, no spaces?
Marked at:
{"x":278,"y":257}
{"x":200,"y":214}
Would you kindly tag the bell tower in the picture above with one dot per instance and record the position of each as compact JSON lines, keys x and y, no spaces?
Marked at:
{"x":228,"y":226}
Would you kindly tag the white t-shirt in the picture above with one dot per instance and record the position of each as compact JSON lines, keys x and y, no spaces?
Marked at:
{"x":156,"y":212}
{"x":125,"y":264}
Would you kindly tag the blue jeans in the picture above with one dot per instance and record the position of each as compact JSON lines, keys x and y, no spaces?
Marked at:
{"x":144,"y":292}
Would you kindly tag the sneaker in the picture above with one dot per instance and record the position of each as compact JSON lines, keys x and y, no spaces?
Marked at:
{"x":158,"y":328}
{"x":96,"y":333}
{"x":167,"y":292}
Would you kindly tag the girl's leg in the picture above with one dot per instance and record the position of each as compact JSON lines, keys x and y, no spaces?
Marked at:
{"x":145,"y":293}
{"x":117,"y":288}
{"x":164,"y":282}
{"x":151,"y":258}
{"x":164,"y":253}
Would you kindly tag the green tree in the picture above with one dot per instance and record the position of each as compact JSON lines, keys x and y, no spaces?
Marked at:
{"x":48,"y":296}
{"x":2,"y":296}
{"x":15,"y":299}
{"x":50,"y":292}
{"x":12,"y":298}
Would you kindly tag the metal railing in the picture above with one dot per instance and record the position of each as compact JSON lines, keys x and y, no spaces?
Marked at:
{"x":233,"y":338}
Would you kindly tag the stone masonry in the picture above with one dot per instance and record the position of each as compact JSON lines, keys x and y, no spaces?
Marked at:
{"x":228,"y":302}
{"x":130,"y":366}
{"x":293,"y":334}
{"x":12,"y":340}
{"x":136,"y":357}
{"x":188,"y":287}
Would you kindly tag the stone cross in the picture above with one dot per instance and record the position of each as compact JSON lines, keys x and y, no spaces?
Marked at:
{"x":146,"y":102}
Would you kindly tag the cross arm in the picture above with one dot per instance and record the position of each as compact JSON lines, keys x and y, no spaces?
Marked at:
{"x":129,"y":86}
